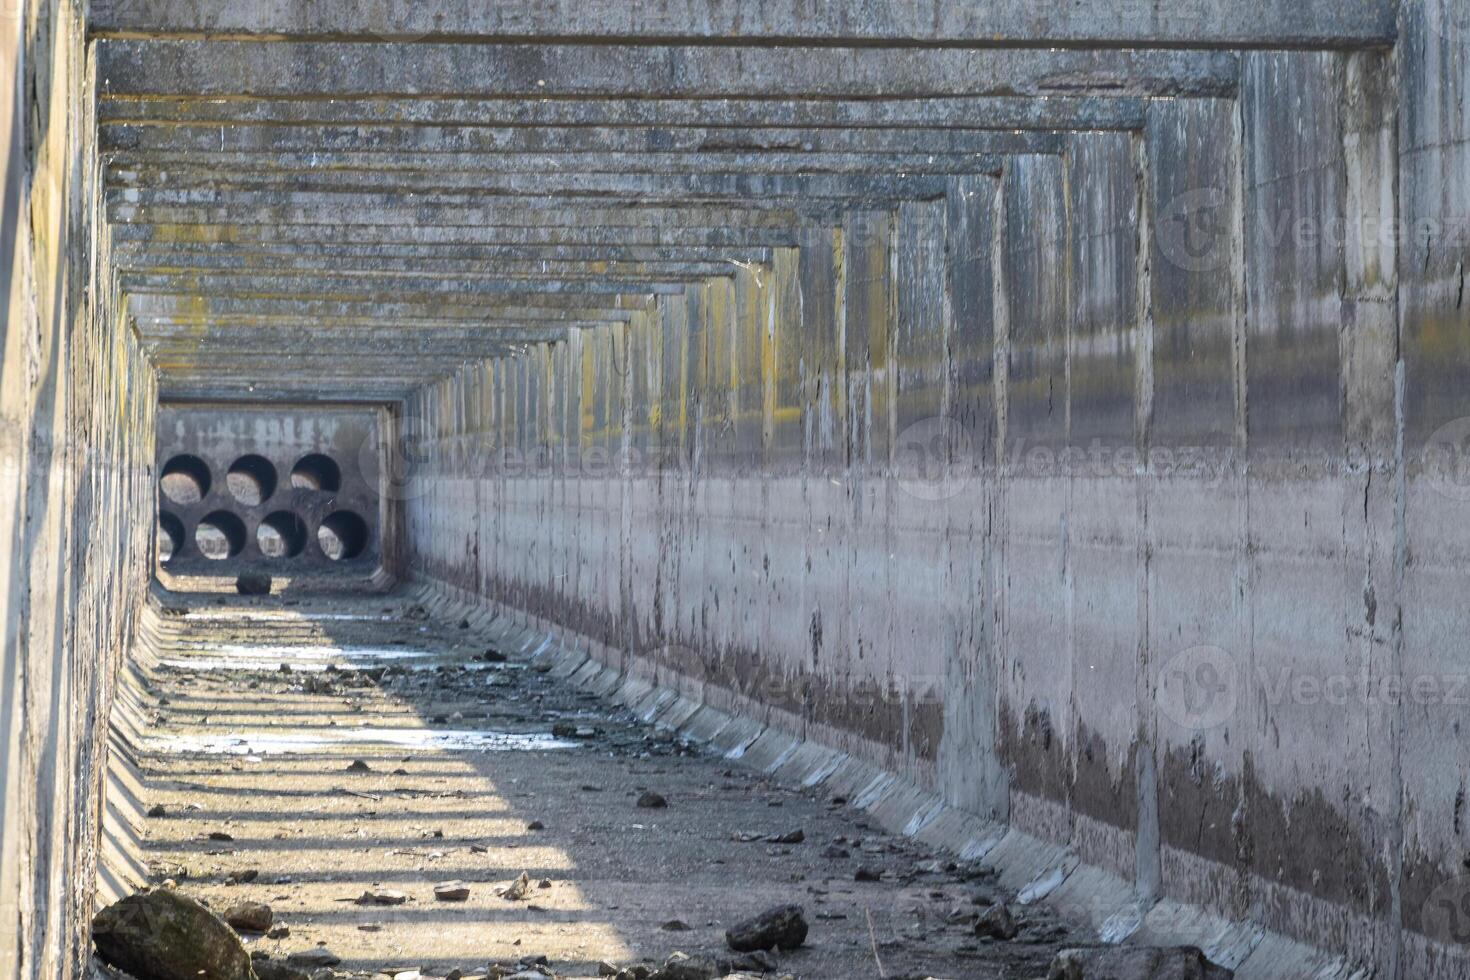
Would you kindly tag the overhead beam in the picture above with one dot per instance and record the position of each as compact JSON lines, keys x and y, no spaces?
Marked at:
{"x":1108,"y":111}
{"x":124,"y":141}
{"x":544,"y":307}
{"x":1194,"y":23}
{"x":212,"y":69}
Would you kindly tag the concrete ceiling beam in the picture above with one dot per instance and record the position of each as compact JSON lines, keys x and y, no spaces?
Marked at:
{"x":445,"y":142}
{"x":213,"y":69}
{"x":1110,"y":111}
{"x":1266,"y":23}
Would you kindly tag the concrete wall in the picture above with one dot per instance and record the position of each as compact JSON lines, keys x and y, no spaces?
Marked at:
{"x":1103,"y":498}
{"x":76,"y":432}
{"x":220,"y":436}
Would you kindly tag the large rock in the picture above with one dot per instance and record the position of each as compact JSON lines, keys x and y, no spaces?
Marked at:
{"x":162,"y":935}
{"x":1136,"y":963}
{"x":778,"y":928}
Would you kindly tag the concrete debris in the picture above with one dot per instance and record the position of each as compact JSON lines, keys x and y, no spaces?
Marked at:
{"x":163,"y":935}
{"x":273,"y":970}
{"x":681,"y":966}
{"x":784,"y":927}
{"x":997,"y":923}
{"x":516,"y":890}
{"x":382,"y":896}
{"x":313,"y":958}
{"x":250,"y":917}
{"x":1136,"y":963}
{"x":253,"y":584}
{"x":452,"y":891}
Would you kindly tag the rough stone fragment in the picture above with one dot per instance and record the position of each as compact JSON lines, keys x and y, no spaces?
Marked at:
{"x":252,"y":584}
{"x":313,"y":958}
{"x":997,"y":923}
{"x":1136,"y":963}
{"x":452,"y":891}
{"x":778,"y":928}
{"x":250,"y":916}
{"x":517,"y":889}
{"x":681,"y":966}
{"x":652,"y":801}
{"x":383,"y":896}
{"x":271,"y":970}
{"x":163,"y":935}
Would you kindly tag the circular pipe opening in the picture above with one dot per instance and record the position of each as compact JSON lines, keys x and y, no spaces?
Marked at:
{"x":281,"y":535}
{"x":317,"y":472}
{"x":219,"y":536}
{"x":185,"y":479}
{"x":170,"y":536}
{"x":342,"y":536}
{"x":252,"y":480}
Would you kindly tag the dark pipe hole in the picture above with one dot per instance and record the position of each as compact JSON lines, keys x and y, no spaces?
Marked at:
{"x":252,"y":480}
{"x":317,"y":472}
{"x":185,"y":480}
{"x":342,"y":536}
{"x":170,"y":536}
{"x":219,"y":536}
{"x":281,"y":535}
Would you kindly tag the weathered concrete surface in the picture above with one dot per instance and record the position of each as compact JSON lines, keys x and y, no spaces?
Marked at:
{"x":227,"y":439}
{"x":1186,"y":23}
{"x":1172,"y":652}
{"x":76,"y":404}
{"x":1035,"y":415}
{"x":462,"y":757}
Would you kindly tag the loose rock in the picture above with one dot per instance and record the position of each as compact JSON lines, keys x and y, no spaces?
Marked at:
{"x":385,"y":896}
{"x":778,"y":928}
{"x":997,"y":923}
{"x":452,"y":891}
{"x":250,"y":916}
{"x":652,"y":801}
{"x":680,"y":966}
{"x":271,"y":970}
{"x":1136,"y":963}
{"x":313,"y":958}
{"x":167,"y":936}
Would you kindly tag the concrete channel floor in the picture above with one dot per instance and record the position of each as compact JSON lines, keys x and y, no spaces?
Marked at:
{"x":260,"y":711}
